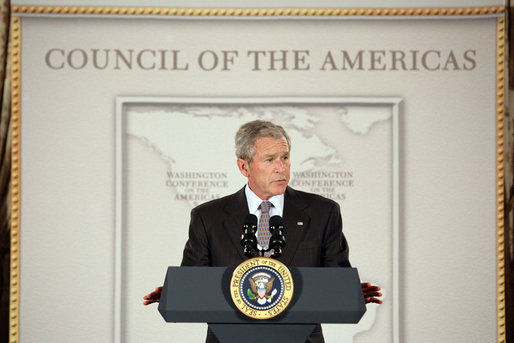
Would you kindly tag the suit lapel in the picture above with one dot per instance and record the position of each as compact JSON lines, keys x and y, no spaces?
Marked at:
{"x":236,"y":210}
{"x":296,"y":222}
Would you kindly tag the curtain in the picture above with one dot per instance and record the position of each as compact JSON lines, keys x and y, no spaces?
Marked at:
{"x":5,"y":168}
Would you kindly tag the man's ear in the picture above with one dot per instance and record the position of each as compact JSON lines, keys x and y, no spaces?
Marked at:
{"x":243,"y":166}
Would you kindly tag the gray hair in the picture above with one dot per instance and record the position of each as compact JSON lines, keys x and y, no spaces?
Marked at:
{"x":247,"y":135}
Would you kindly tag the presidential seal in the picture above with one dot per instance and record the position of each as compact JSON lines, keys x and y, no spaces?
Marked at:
{"x":261,"y":287}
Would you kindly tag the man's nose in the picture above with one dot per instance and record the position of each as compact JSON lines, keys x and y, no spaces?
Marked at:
{"x":280,"y":166}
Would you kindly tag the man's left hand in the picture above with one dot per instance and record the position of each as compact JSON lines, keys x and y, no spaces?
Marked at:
{"x":371,"y":293}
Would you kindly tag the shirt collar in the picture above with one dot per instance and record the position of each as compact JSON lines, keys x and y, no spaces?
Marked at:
{"x":254,"y":201}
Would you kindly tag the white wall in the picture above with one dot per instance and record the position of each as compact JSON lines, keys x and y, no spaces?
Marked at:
{"x":447,"y":169}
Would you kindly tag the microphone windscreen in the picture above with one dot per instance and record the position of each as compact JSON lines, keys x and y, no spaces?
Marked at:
{"x":250,"y":220}
{"x":276,"y":221}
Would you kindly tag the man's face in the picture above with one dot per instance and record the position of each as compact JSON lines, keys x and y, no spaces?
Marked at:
{"x":268,"y":171}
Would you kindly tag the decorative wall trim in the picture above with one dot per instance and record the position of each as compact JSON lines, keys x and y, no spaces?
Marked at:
{"x":463,"y":11}
{"x":15,"y":180}
{"x":500,"y":178}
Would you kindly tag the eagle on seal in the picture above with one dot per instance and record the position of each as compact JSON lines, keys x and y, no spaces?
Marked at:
{"x":262,"y":289}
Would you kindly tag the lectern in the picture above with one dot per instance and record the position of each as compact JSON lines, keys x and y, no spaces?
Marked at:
{"x":321,"y":295}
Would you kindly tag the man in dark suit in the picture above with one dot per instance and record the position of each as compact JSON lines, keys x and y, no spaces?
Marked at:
{"x":313,"y":223}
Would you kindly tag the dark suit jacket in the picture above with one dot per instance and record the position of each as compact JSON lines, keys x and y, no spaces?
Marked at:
{"x":313,"y":232}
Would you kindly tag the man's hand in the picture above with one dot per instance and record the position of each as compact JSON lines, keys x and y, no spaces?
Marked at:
{"x":153,"y":297}
{"x":371,"y":293}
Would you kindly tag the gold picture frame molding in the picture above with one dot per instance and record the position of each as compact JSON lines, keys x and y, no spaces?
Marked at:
{"x":14,"y":280}
{"x":15,"y":51}
{"x":500,"y":178}
{"x":465,"y":11}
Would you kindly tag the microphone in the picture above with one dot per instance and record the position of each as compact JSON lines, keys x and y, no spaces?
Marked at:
{"x":248,"y":239}
{"x":277,"y":241}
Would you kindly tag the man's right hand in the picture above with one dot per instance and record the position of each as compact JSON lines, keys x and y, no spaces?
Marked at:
{"x":153,"y":297}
